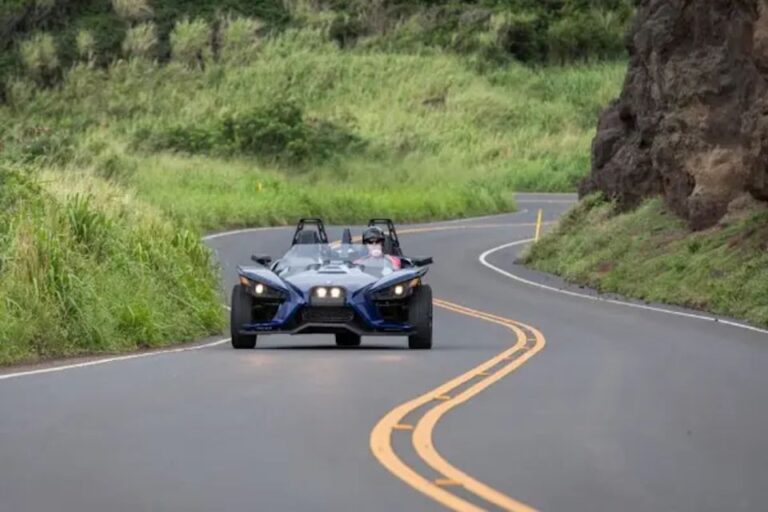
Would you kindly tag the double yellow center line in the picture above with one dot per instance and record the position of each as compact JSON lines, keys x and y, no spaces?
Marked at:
{"x":427,"y":410}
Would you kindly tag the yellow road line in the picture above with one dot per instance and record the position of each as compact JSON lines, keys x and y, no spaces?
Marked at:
{"x":422,"y":435}
{"x":381,"y":436}
{"x":410,"y":231}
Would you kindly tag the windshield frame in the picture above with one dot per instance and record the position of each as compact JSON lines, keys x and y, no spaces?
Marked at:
{"x":308,"y":257}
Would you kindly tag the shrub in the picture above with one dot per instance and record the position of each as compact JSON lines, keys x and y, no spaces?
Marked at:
{"x":276,"y":131}
{"x":239,"y":38}
{"x":141,"y":41}
{"x":42,"y":145}
{"x":86,"y":45}
{"x":191,"y":43}
{"x":521,"y":36}
{"x":39,"y":55}
{"x":19,"y":91}
{"x":587,"y":35}
{"x":132,"y":10}
{"x":346,"y":30}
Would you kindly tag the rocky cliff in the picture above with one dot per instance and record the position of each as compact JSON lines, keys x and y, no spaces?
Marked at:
{"x":691,"y":123}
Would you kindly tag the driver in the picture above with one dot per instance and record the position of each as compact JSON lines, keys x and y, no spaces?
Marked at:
{"x":373,"y":240}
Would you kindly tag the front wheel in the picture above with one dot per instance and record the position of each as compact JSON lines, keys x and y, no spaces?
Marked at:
{"x":347,"y":339}
{"x":420,"y":317}
{"x":242,"y":314}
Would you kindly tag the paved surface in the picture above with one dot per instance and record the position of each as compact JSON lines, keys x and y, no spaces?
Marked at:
{"x":624,"y":409}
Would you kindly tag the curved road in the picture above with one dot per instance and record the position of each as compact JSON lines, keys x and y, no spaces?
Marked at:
{"x":613,"y":407}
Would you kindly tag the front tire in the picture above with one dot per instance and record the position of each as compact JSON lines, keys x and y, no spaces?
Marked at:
{"x":420,"y":317}
{"x":242,"y":314}
{"x":347,"y":339}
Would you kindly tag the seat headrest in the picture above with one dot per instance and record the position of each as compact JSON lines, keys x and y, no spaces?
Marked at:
{"x":308,"y":237}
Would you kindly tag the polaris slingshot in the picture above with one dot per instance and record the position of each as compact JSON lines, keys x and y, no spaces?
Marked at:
{"x":319,"y":287}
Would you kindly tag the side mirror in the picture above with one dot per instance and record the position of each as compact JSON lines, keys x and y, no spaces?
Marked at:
{"x":422,"y":262}
{"x":261,"y":259}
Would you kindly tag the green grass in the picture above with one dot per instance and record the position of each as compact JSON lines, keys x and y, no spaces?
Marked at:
{"x":650,"y":254}
{"x":431,"y":136}
{"x":85,"y":269}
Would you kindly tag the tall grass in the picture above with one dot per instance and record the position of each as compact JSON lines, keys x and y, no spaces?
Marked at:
{"x":132,"y":10}
{"x":239,"y":38}
{"x":141,"y":41}
{"x":191,"y":42}
{"x":40,"y":57}
{"x":84,"y":268}
{"x":86,"y":46}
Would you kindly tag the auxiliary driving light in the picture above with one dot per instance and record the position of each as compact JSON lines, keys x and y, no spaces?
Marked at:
{"x":322,"y":292}
{"x":335,"y":293}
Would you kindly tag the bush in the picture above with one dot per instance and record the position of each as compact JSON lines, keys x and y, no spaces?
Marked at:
{"x":39,"y":55}
{"x":530,"y":31}
{"x":521,"y":36}
{"x":346,"y":30}
{"x":277,"y":131}
{"x":141,"y":41}
{"x":41,"y":145}
{"x":191,"y":43}
{"x":132,"y":10}
{"x":86,"y":45}
{"x":239,"y":38}
{"x":19,"y":91}
{"x":586,"y":35}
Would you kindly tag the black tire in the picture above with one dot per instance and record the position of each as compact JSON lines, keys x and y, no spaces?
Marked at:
{"x":420,"y":317}
{"x":347,"y":339}
{"x":242,"y":313}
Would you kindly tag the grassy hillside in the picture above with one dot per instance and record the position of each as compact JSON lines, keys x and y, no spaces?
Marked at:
{"x":303,"y":127}
{"x":650,"y":254}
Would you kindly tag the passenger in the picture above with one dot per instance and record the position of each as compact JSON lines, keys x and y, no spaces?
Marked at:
{"x":373,"y":239}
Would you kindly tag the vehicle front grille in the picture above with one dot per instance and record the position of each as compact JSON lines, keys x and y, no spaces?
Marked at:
{"x":327,"y":315}
{"x":393,"y":311}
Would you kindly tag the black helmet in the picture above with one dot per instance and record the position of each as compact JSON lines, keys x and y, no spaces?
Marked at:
{"x":373,"y":235}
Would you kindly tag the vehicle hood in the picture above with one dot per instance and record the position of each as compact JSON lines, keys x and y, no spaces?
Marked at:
{"x":352,"y":279}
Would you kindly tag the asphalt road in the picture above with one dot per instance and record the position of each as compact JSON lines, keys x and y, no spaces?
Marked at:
{"x":624,"y":409}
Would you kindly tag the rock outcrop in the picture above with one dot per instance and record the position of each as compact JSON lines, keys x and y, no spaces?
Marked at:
{"x":691,"y":123}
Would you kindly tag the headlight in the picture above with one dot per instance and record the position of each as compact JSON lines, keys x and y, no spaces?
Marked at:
{"x":327,"y":296}
{"x":261,"y":290}
{"x":398,"y":291}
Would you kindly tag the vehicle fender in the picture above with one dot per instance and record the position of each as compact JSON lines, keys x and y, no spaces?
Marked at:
{"x":265,"y":276}
{"x":397,"y":277}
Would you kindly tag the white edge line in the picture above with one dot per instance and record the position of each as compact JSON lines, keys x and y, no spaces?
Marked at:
{"x":483,"y":258}
{"x":473,"y":219}
{"x":223,"y":234}
{"x":96,"y":362}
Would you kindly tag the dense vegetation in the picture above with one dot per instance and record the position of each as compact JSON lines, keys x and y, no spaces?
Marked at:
{"x":650,"y":254}
{"x":90,"y":270}
{"x":127,"y":127}
{"x":305,"y":128}
{"x":531,"y":31}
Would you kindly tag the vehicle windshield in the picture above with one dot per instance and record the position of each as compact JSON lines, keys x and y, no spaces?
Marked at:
{"x":303,"y":257}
